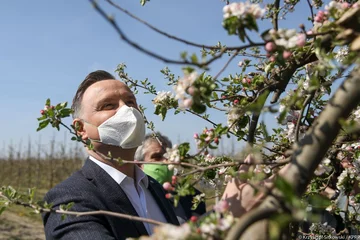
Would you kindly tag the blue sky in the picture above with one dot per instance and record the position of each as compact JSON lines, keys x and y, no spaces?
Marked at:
{"x":48,"y":47}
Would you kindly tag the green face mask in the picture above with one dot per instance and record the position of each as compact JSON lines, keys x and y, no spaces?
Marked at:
{"x":160,"y":173}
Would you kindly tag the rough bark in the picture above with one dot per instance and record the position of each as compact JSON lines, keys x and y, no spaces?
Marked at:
{"x":306,"y":156}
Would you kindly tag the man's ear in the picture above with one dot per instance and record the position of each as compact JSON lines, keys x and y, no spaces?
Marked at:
{"x":80,"y":129}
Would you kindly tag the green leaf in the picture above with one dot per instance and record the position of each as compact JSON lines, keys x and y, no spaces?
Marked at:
{"x":194,"y":58}
{"x":265,"y":132}
{"x":143,"y":2}
{"x":43,"y":124}
{"x":259,"y":103}
{"x":58,"y":106}
{"x":199,"y":108}
{"x":183,"y":55}
{"x":318,"y":201}
{"x":31,"y":194}
{"x":184,"y":148}
{"x":285,"y":188}
{"x":64,"y":104}
{"x":65,"y":112}
{"x":47,"y":103}
{"x":43,"y":117}
{"x":2,"y":209}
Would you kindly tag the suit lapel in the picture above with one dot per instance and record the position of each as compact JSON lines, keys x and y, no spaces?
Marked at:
{"x":163,"y":203}
{"x":114,"y":196}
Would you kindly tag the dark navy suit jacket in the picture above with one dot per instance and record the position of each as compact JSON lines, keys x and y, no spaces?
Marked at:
{"x":92,"y":189}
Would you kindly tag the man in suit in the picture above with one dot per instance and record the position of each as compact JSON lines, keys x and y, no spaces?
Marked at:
{"x":153,"y":150}
{"x":106,"y":112}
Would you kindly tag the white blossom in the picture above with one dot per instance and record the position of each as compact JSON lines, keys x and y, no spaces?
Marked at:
{"x":348,"y":175}
{"x":222,"y":170}
{"x":241,"y":9}
{"x":209,"y":158}
{"x":163,"y":98}
{"x":233,"y":115}
{"x":341,"y":54}
{"x":183,"y":84}
{"x":357,"y":114}
{"x":288,"y":38}
{"x":322,"y":229}
{"x":323,"y":167}
{"x":171,"y":232}
{"x":173,"y":154}
{"x":208,"y":228}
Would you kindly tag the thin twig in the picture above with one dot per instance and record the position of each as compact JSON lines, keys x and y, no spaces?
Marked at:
{"x":157,"y":56}
{"x":117,"y":6}
{"x":276,"y":14}
{"x":78,"y":214}
{"x":226,"y":64}
{"x":311,"y":10}
{"x":298,"y":123}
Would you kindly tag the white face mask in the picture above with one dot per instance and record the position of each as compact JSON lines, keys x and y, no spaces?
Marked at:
{"x":125,"y":129}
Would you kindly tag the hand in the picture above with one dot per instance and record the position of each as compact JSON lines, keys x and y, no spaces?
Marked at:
{"x":241,"y":196}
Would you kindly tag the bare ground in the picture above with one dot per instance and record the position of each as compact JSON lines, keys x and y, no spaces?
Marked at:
{"x":16,"y":227}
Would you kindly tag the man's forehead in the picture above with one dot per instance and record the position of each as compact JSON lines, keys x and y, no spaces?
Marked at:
{"x":155,"y":146}
{"x":104,"y":87}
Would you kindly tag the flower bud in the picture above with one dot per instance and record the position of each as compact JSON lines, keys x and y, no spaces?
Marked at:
{"x":167,"y":186}
{"x":270,"y":46}
{"x":188,"y":103}
{"x":286,"y":54}
{"x":193,"y":218}
{"x":192,"y":90}
{"x":173,"y":180}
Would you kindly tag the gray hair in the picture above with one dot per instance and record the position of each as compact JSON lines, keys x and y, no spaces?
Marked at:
{"x":150,"y":138}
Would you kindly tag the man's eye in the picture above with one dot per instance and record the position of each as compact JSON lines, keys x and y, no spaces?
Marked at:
{"x":108,"y":106}
{"x":157,"y":157}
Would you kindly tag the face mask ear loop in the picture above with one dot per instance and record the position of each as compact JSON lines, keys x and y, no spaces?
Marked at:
{"x":94,"y":140}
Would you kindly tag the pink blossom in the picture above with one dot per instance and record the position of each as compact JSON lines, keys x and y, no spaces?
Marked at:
{"x":222,"y":206}
{"x":272,"y":59}
{"x":196,"y":136}
{"x":286,"y":54}
{"x":244,"y":81}
{"x":301,"y":40}
{"x":270,"y":46}
{"x":318,"y":19}
{"x":188,"y":102}
{"x":191,"y":90}
{"x":345,"y":5}
{"x":167,"y":186}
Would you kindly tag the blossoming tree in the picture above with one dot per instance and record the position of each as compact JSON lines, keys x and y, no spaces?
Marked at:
{"x":309,"y":166}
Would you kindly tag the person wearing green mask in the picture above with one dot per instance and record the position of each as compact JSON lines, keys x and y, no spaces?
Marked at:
{"x":153,"y":150}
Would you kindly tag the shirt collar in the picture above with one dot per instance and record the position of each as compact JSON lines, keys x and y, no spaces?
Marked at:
{"x":118,"y":176}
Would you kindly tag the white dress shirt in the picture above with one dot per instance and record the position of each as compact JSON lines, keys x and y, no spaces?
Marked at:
{"x":138,"y":193}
